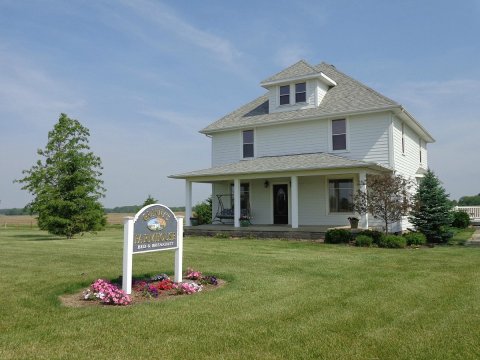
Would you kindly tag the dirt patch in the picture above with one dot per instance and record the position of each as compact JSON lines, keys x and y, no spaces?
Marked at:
{"x":76,"y":300}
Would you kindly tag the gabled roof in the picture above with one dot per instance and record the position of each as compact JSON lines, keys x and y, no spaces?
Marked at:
{"x":348,"y":97}
{"x":299,"y":69}
{"x":279,"y":164}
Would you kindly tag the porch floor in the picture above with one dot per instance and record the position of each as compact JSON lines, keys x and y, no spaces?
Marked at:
{"x":314,"y":232}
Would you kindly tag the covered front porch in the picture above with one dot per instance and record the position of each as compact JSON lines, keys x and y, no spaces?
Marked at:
{"x":296,"y":192}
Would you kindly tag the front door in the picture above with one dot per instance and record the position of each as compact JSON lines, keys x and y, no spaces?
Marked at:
{"x":280,"y":204}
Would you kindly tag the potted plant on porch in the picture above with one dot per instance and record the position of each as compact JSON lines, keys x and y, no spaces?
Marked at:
{"x":194,"y":219}
{"x":244,"y":221}
{"x":353,"y":222}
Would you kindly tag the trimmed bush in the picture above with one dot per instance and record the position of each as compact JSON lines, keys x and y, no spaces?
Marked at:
{"x":363,"y":240}
{"x":461,"y":219}
{"x":415,"y":238}
{"x":392,"y":242}
{"x":338,"y":236}
{"x":203,"y":211}
{"x":374,"y":234}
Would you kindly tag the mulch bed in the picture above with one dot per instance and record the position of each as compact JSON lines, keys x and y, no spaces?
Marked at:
{"x":76,"y":300}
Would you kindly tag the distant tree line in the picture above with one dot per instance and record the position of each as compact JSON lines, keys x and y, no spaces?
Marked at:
{"x":128,"y":209}
{"x":473,"y":200}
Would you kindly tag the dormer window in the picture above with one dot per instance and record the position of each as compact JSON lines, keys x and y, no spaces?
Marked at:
{"x":301,"y":92}
{"x":285,"y":95}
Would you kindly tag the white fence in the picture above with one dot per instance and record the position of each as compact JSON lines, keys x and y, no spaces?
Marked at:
{"x":473,"y":211}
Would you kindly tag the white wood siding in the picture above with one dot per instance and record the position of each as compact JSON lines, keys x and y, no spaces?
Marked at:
{"x":260,"y":202}
{"x":368,"y":138}
{"x":227,"y":147}
{"x":321,"y":91}
{"x":408,"y":162}
{"x":287,"y":139}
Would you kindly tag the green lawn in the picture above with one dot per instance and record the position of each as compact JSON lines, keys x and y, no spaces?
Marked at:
{"x":283,"y":300}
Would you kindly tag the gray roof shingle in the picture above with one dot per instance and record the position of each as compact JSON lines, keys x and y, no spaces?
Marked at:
{"x":272,"y":164}
{"x":301,"y":68}
{"x":348,"y":96}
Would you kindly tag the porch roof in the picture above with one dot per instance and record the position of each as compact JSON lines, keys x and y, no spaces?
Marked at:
{"x":269,"y":165}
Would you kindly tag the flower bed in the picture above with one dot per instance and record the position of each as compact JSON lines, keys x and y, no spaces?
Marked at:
{"x":157,"y":287}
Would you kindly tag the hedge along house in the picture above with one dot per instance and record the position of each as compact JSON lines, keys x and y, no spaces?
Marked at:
{"x":297,"y":154}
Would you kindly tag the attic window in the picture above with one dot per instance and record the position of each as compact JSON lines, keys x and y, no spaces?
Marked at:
{"x":285,"y":95}
{"x":300,"y":92}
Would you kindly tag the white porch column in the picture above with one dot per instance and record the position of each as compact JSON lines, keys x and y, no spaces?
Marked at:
{"x":363,"y":187}
{"x":188,"y":202}
{"x":294,"y":190}
{"x":236,"y":202}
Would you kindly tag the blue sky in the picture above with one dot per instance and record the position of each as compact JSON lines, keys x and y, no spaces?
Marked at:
{"x":144,"y":76}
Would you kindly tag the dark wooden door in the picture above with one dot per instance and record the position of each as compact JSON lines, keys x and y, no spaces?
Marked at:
{"x":280,"y":204}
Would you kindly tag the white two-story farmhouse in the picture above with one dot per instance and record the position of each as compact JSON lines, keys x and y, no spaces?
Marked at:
{"x":298,"y":153}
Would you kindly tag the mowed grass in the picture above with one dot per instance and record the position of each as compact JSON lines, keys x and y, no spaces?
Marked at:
{"x":283,"y":300}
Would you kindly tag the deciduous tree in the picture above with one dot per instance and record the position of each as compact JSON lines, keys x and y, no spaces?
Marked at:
{"x":388,"y":197}
{"x":65,"y":182}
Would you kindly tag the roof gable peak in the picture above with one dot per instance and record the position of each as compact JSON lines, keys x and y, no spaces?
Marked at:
{"x":299,"y":69}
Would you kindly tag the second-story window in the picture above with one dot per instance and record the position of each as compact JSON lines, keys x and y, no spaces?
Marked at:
{"x":339,"y":134}
{"x":285,"y":95}
{"x":300,"y":92}
{"x":248,"y":144}
{"x":403,"y":138}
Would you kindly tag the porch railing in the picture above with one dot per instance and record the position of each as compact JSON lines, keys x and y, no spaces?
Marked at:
{"x":473,"y":211}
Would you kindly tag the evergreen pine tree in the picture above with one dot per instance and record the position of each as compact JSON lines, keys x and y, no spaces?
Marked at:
{"x":66,"y":184}
{"x":432,"y":212}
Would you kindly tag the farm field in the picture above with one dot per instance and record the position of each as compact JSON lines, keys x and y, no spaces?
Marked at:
{"x":30,"y":221}
{"x":283,"y":300}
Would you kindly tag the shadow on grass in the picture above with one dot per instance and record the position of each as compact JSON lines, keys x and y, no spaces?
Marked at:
{"x":34,"y":237}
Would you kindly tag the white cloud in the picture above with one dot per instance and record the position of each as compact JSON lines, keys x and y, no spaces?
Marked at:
{"x":184,"y":121}
{"x":163,"y":16}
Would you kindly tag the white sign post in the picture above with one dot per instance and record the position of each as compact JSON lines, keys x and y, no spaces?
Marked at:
{"x":154,"y":228}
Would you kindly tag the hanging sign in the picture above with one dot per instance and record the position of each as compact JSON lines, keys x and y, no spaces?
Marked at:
{"x":154,"y":228}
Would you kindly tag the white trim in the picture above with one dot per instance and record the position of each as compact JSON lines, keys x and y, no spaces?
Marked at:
{"x":236,"y":200}
{"x":295,"y":206}
{"x":391,"y":143}
{"x":188,"y":202}
{"x":320,"y":75}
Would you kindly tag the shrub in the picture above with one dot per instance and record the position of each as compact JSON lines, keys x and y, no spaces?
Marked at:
{"x":374,"y":234}
{"x":461,"y":219}
{"x":415,"y":238}
{"x":338,"y":236}
{"x":363,"y":240}
{"x":203,"y":211}
{"x":392,"y":242}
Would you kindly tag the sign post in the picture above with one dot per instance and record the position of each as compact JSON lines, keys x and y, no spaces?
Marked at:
{"x":154,"y":228}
